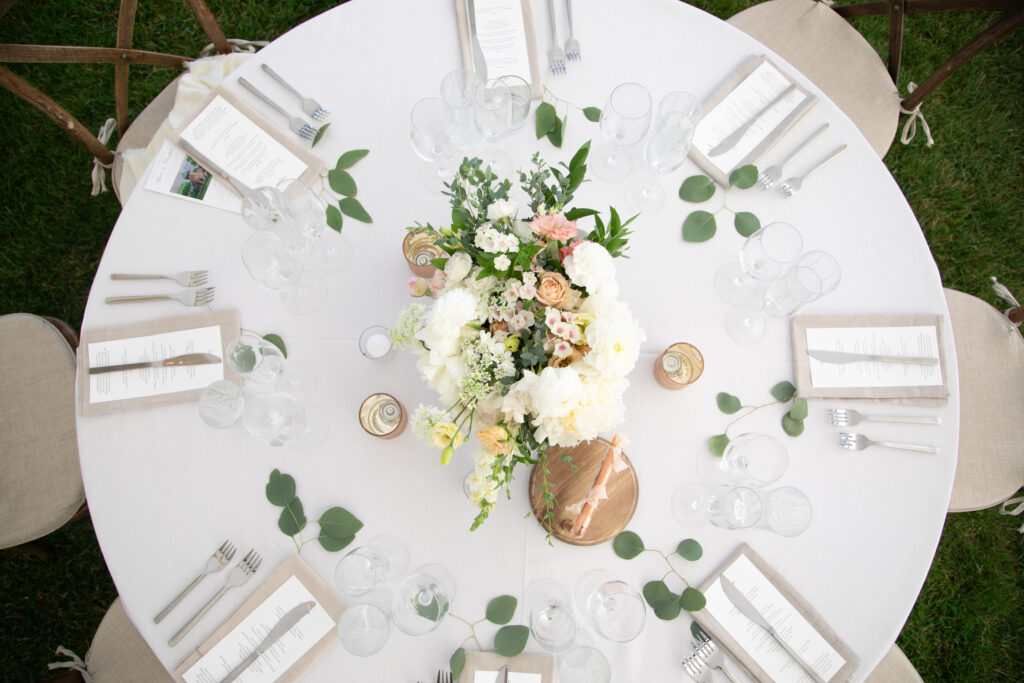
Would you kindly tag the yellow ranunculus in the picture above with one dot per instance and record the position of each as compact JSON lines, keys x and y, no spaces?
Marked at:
{"x":446,"y":455}
{"x":446,"y":434}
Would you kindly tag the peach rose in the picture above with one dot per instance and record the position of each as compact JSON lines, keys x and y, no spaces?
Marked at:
{"x":553,"y":290}
{"x":495,"y":439}
{"x":554,"y":226}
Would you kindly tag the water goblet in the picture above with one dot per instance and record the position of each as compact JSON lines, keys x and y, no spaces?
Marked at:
{"x":787,"y":511}
{"x":255,"y":358}
{"x":280,"y":419}
{"x":267,"y":258}
{"x":366,"y":567}
{"x":262,"y":208}
{"x":551,"y":620}
{"x":624,"y":121}
{"x":734,"y":507}
{"x":799,"y":286}
{"x":667,"y":146}
{"x":764,"y":257}
{"x":752,"y":460}
{"x":457,"y":90}
{"x":221,"y":403}
{"x":614,"y":609}
{"x":430,"y":128}
{"x":422,"y":600}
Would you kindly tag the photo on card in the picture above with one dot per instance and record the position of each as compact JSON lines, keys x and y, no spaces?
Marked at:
{"x":191,"y":180}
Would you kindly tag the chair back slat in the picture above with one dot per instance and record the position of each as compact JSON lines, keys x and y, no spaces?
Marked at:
{"x":80,"y":54}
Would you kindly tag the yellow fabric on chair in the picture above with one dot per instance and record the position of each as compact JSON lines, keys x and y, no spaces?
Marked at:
{"x":894,"y":668}
{"x":835,"y":56}
{"x":990,"y":355}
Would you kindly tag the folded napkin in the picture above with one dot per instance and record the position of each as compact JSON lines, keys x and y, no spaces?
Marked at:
{"x":526,"y":663}
{"x":462,"y":23}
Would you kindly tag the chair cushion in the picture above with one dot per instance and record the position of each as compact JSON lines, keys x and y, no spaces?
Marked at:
{"x":894,"y":668}
{"x":835,"y":56}
{"x":990,"y":355}
{"x":40,"y":479}
{"x":119,"y":654}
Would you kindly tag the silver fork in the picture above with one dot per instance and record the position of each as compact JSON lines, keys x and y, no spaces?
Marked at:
{"x":714,"y":658}
{"x":217,"y":561}
{"x":444,"y":676}
{"x":297,"y":125}
{"x":791,"y":186}
{"x":844,"y":417}
{"x":186,"y":278}
{"x":556,"y":58}
{"x":309,"y":105}
{"x":572,"y":46}
{"x":697,"y":668}
{"x":238,"y":576}
{"x":858,"y":442}
{"x":773,"y":174}
{"x":190,"y":297}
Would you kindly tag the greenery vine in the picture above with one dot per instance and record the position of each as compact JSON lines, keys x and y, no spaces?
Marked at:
{"x":509,"y":641}
{"x":666,"y":604}
{"x":338,"y":527}
{"x":783,"y":392}
{"x":700,"y":226}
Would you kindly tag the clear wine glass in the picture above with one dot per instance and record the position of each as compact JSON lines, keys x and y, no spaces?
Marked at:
{"x":366,"y":567}
{"x":430,"y":127}
{"x":262,"y":208}
{"x":255,"y":358}
{"x":267,"y":258}
{"x":280,"y":419}
{"x":752,"y":460}
{"x":614,"y":609}
{"x":551,"y":620}
{"x":307,"y":294}
{"x":522,"y":100}
{"x":734,"y":507}
{"x":764,"y":257}
{"x":624,"y":121}
{"x":457,"y":90}
{"x":667,"y":146}
{"x":422,"y":600}
{"x":800,"y":285}
{"x":304,"y":226}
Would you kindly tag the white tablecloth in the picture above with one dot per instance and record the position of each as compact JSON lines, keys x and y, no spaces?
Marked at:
{"x":164,"y":490}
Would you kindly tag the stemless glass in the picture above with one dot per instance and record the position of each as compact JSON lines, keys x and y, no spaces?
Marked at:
{"x":423,"y":599}
{"x":221,"y":403}
{"x":624,"y":122}
{"x":363,"y":629}
{"x":734,"y":507}
{"x":751,"y":460}
{"x":787,"y":511}
{"x":255,"y":358}
{"x":583,"y":665}
{"x":614,"y":609}
{"x":799,"y":286}
{"x":492,"y":108}
{"x":430,"y":129}
{"x":522,"y":99}
{"x":366,"y":567}
{"x":551,"y":621}
{"x":457,"y":91}
{"x":667,"y":146}
{"x":280,"y":419}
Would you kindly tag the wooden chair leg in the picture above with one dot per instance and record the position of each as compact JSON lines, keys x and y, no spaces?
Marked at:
{"x":897,"y":10}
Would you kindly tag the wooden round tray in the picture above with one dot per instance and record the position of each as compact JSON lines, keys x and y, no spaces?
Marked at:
{"x":569,"y":487}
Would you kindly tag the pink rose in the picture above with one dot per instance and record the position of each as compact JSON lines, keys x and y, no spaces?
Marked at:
{"x":554,"y":226}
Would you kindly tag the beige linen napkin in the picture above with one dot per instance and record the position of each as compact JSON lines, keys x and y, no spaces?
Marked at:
{"x":526,"y":663}
{"x":462,"y":22}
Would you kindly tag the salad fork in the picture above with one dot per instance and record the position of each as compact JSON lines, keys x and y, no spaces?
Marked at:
{"x":572,"y":46}
{"x":857,"y":442}
{"x":217,"y":561}
{"x":444,"y":676}
{"x":310,"y":106}
{"x":186,"y":278}
{"x":556,"y":58}
{"x":189,"y":297}
{"x":714,"y":659}
{"x":845,"y":417}
{"x":773,"y":174}
{"x":697,"y":668}
{"x":238,"y":576}
{"x":792,"y":185}
{"x":297,"y":125}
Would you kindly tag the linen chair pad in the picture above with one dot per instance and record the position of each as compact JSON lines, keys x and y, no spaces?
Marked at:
{"x":40,"y":478}
{"x":835,"y":56}
{"x":990,"y":354}
{"x":119,"y":654}
{"x":142,"y":130}
{"x":894,"y":668}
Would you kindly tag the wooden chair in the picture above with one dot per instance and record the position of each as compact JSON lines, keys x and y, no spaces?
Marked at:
{"x":122,"y":56}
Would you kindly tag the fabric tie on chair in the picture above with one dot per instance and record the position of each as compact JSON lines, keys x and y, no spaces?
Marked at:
{"x":1016,"y":313}
{"x":1004,"y":509}
{"x":75,"y":663}
{"x":910,"y":127}
{"x":99,"y":173}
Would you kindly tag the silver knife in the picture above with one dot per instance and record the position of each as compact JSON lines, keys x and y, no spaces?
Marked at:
{"x":845,"y":357}
{"x":502,"y":675}
{"x":479,"y":63}
{"x":282,"y":627}
{"x":173,"y":361}
{"x":730,"y":142}
{"x":746,"y":607}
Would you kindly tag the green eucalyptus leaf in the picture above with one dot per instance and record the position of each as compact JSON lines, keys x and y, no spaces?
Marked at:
{"x":692,"y":600}
{"x":349,"y":158}
{"x":746,"y":223}
{"x":334,"y":218}
{"x":575,"y":214}
{"x":546,"y":119}
{"x":783,"y":391}
{"x":342,"y":182}
{"x":690,"y":550}
{"x":351,"y":207}
{"x":699,"y":226}
{"x":457,"y":662}
{"x":339,"y":523}
{"x":555,"y":134}
{"x":333,"y":545}
{"x":276,"y":340}
{"x":244,"y":357}
{"x":320,"y":134}
{"x":791,"y":426}
{"x":668,"y":611}
{"x":592,"y":114}
{"x":509,"y":641}
{"x":697,"y":188}
{"x":628,"y":545}
{"x":501,"y":609}
{"x":292,"y":518}
{"x":728,"y":403}
{"x":697,"y":632}
{"x":744,"y":177}
{"x":799,"y":409}
{"x":431,"y":611}
{"x":717,"y":444}
{"x":657,"y":593}
{"x":280,"y":488}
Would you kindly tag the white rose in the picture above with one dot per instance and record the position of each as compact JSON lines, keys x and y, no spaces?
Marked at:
{"x":556,"y":392}
{"x":518,"y":401}
{"x":457,"y":267}
{"x":614,"y":343}
{"x":591,"y":266}
{"x":482,"y":285}
{"x":603,"y":304}
{"x":501,"y":208}
{"x":444,"y":325}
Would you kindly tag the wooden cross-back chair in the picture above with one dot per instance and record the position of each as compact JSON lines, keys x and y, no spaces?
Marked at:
{"x":122,"y":56}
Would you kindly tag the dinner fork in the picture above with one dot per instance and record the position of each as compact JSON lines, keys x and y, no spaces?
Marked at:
{"x":556,"y":58}
{"x":714,"y":658}
{"x":444,"y":676}
{"x":858,"y":442}
{"x":186,"y":278}
{"x":572,"y":46}
{"x":697,"y":668}
{"x":238,"y":576}
{"x":309,"y":105}
{"x":297,"y":125}
{"x":217,"y":561}
{"x":845,"y":417}
{"x":189,"y":297}
{"x":773,"y":174}
{"x":791,"y":186}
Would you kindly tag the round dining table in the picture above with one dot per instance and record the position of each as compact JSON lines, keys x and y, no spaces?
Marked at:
{"x":165,"y":490}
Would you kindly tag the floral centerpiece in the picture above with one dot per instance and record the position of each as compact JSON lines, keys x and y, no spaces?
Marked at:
{"x":526,"y":340}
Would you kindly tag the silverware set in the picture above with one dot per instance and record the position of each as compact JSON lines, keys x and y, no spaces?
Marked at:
{"x":295,"y":123}
{"x":707,"y":658}
{"x":241,"y":573}
{"x":854,"y":441}
{"x":556,"y":56}
{"x":197,"y":295}
{"x":309,"y":106}
{"x":774,"y":173}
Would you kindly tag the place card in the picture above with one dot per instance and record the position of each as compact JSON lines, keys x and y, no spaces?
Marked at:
{"x":206,"y":332}
{"x":292,"y":583}
{"x":741,"y":97}
{"x":505,"y":31}
{"x":173,"y":172}
{"x":788,"y":613}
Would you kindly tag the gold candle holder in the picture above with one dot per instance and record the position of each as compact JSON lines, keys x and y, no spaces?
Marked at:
{"x":381,"y":415}
{"x":419,"y":250}
{"x":679,"y":365}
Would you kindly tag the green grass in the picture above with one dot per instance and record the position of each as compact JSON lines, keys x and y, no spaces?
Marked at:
{"x":965,"y":191}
